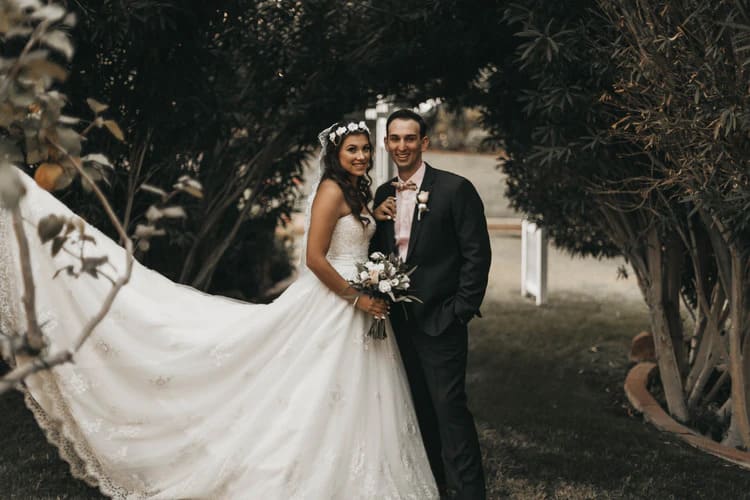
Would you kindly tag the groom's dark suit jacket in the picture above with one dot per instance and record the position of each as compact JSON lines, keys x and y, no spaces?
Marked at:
{"x":450,"y":247}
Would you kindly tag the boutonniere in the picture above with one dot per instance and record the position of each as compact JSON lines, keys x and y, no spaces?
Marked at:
{"x":422,"y":198}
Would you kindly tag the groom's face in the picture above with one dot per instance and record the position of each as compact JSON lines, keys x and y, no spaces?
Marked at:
{"x":405,"y":144}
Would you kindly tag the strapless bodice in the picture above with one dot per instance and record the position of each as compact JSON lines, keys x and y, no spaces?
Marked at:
{"x":350,"y":240}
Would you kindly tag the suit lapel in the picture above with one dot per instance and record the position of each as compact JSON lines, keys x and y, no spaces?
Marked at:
{"x":390,"y":226}
{"x":416,"y":225}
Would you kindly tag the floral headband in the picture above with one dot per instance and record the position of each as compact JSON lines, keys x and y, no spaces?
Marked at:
{"x":336,"y":135}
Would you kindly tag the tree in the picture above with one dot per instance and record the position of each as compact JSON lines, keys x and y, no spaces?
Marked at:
{"x":249,"y":84}
{"x":684,"y":95}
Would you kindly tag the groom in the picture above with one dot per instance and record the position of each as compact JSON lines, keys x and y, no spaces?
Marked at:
{"x":435,"y":221}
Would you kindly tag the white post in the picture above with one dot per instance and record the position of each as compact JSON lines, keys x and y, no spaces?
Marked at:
{"x":534,"y":262}
{"x":383,"y":168}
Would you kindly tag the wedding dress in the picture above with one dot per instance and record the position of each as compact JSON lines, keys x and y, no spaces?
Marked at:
{"x":180,"y":394}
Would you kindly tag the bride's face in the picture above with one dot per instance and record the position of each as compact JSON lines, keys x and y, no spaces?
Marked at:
{"x":354,"y":155}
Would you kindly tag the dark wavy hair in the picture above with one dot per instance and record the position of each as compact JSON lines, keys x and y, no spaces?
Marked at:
{"x":357,"y":197}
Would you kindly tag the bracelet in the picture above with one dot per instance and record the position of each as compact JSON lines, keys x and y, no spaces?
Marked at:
{"x":354,"y":304}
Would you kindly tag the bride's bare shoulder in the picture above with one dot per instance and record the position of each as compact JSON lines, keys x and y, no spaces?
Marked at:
{"x":329,"y":199}
{"x":330,"y":188}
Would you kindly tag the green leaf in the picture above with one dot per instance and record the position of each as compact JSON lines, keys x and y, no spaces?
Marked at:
{"x":60,"y":42}
{"x":115,"y":130}
{"x":96,"y":106}
{"x":68,"y":269}
{"x":173,"y":212}
{"x":51,"y":13}
{"x":41,"y":68}
{"x":49,"y":227}
{"x":190,"y":186}
{"x":153,"y":189}
{"x":57,"y":244}
{"x":98,"y":158}
{"x":90,"y":265}
{"x":70,"y":140}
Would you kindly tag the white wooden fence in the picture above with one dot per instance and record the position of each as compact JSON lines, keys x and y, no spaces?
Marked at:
{"x":533,"y":262}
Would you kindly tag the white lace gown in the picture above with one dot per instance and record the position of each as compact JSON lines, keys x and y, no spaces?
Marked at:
{"x":180,"y":394}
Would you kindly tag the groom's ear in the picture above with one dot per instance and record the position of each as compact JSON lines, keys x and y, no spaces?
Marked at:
{"x":425,"y":142}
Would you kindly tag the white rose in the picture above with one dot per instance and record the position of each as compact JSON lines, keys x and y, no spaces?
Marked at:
{"x":423,"y":196}
{"x":405,"y":284}
{"x":384,"y":286}
{"x":364,"y":275}
{"x":352,"y":126}
{"x":379,"y":266}
{"x":394,"y":282}
{"x":362,"y":125}
{"x":341,"y":131}
{"x":377,"y":256}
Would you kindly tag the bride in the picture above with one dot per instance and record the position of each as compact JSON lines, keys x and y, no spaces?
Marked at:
{"x":179,"y":394}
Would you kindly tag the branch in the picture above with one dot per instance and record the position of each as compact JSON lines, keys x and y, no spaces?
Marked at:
{"x":44,"y":363}
{"x":10,"y":380}
{"x":33,"y":332}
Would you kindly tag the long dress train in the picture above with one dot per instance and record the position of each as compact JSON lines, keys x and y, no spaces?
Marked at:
{"x":180,"y":394}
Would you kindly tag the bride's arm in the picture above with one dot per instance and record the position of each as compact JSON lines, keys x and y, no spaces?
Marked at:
{"x":328,"y":206}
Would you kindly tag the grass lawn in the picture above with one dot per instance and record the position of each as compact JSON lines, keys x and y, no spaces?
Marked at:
{"x":546,"y":389}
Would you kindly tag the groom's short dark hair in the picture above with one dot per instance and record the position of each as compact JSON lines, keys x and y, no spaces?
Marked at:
{"x":407,"y":114}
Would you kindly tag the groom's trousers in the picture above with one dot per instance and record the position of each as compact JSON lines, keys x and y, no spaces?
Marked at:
{"x":436,"y":368}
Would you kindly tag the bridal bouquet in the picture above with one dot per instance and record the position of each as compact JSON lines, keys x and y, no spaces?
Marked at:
{"x":383,"y":277}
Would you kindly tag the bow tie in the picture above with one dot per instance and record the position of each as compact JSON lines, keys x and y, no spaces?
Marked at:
{"x":401,"y":185}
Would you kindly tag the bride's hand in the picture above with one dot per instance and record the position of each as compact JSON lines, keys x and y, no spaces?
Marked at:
{"x":386,"y":210}
{"x":377,"y":307}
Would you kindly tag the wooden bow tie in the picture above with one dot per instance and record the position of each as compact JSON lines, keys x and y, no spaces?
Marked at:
{"x":401,"y":185}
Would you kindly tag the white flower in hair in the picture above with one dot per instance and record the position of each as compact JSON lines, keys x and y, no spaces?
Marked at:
{"x":352,"y":126}
{"x":340,"y":131}
{"x":362,"y":125}
{"x":332,"y":137}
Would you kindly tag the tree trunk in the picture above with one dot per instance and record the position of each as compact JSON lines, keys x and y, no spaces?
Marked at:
{"x":673,"y":260}
{"x":709,"y":352}
{"x":660,"y":311}
{"x":739,"y":347}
